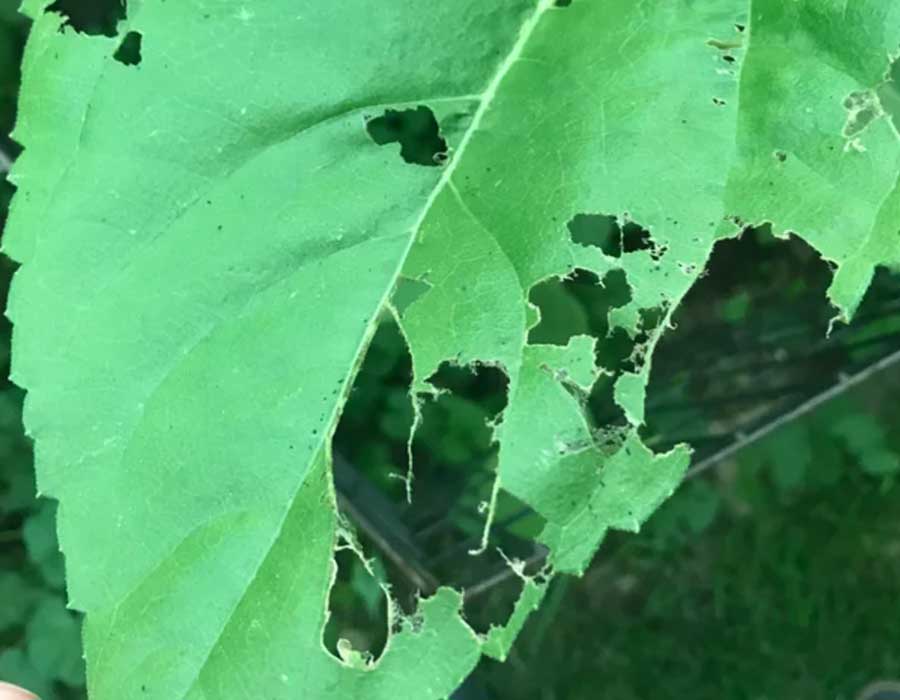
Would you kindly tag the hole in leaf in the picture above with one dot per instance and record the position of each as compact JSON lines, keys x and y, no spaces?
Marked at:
{"x":599,"y":230}
{"x":417,"y":132}
{"x":607,"y":418}
{"x":617,"y":353}
{"x":604,"y":231}
{"x":576,"y":305}
{"x":424,"y":543}
{"x":95,"y":17}
{"x":357,"y":626}
{"x":456,"y":435}
{"x":863,"y":107}
{"x":635,"y":238}
{"x":749,"y":343}
{"x":375,"y":423}
{"x":129,"y":51}
{"x":482,"y":383}
{"x":488,"y":606}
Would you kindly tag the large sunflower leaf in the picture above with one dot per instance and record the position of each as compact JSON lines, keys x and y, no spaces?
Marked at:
{"x":209,"y":235}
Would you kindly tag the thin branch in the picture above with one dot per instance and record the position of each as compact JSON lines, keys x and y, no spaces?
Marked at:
{"x":790,"y":416}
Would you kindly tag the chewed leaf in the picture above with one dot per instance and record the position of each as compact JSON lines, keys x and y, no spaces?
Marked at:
{"x":212,"y":225}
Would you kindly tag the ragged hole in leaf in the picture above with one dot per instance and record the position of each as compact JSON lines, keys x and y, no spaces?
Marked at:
{"x":357,"y":627}
{"x":576,"y":305}
{"x":454,"y":454}
{"x":426,"y":542}
{"x":633,"y":361}
{"x":492,"y":602}
{"x":605,"y":232}
{"x":417,"y":132}
{"x":372,"y":433}
{"x":749,"y":341}
{"x":94,"y":18}
{"x":863,"y":108}
{"x":483,"y":384}
{"x":607,"y":419}
{"x":129,"y":51}
{"x":599,"y":230}
{"x":635,"y":238}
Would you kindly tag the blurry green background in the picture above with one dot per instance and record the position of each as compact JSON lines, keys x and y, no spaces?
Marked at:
{"x":775,"y":575}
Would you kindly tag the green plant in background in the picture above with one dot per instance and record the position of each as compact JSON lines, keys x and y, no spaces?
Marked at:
{"x":199,"y":289}
{"x":40,"y":640}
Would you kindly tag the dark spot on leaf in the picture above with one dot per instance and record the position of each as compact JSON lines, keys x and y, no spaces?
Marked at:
{"x":635,"y":238}
{"x":657,"y":252}
{"x":417,"y":132}
{"x":719,"y":102}
{"x":129,"y":51}
{"x":781,"y":156}
{"x":94,"y":18}
{"x":562,"y":3}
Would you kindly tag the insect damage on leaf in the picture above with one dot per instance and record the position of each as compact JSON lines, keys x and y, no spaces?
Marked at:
{"x":129,"y":51}
{"x":862,"y":108}
{"x":360,"y":610}
{"x":577,"y":304}
{"x":232,"y":372}
{"x":737,"y":355}
{"x":94,"y":17}
{"x":604,"y":231}
{"x":417,"y":132}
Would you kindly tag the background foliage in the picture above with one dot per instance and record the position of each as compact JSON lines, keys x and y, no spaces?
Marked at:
{"x":776,"y":576}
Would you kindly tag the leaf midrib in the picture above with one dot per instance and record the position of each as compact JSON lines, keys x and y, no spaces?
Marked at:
{"x":487,"y":97}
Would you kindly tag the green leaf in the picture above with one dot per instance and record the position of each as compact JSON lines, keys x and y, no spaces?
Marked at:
{"x":208,"y":239}
{"x":54,"y":643}
{"x":40,"y":541}
{"x":19,"y":596}
{"x":865,"y":439}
